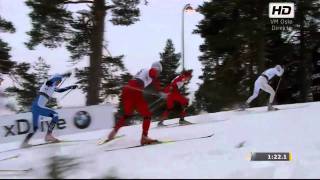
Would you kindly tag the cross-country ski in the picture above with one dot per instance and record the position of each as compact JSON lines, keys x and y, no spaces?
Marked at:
{"x":160,"y":142}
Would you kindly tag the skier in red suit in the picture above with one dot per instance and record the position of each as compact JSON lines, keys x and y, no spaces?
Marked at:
{"x":174,"y":95}
{"x":132,"y":98}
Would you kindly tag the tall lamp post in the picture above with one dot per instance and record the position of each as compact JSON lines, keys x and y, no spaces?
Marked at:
{"x":187,"y":7}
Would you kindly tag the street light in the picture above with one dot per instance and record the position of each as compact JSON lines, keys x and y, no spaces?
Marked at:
{"x":187,"y":7}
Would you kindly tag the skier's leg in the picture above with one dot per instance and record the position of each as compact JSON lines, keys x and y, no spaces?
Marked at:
{"x":35,"y":120}
{"x":183,"y":101}
{"x":267,"y":88}
{"x":257,"y":87}
{"x":55,"y":118}
{"x":169,"y":107}
{"x":144,"y":111}
{"x":184,"y":104}
{"x":128,"y":107}
{"x":164,"y":116}
{"x":36,"y":112}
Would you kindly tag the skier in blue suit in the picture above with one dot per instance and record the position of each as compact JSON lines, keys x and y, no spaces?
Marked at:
{"x":39,"y":106}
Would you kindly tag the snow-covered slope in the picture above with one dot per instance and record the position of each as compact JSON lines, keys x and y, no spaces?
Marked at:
{"x":294,"y":129}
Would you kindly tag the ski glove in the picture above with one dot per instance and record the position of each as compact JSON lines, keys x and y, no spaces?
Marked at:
{"x":73,"y":87}
{"x":68,"y":74}
{"x":65,"y":88}
{"x":163,"y":95}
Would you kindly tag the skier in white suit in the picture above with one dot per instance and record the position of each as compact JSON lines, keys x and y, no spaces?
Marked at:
{"x":1,"y":92}
{"x":1,"y":79}
{"x":262,"y":83}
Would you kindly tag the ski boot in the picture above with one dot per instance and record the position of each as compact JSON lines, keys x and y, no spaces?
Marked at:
{"x":145,"y":140}
{"x":112,"y":134}
{"x":271,"y":108}
{"x":244,"y":106}
{"x":182,"y":121}
{"x":49,"y":138}
{"x":160,"y":124}
{"x":110,"y":137}
{"x":25,"y":143}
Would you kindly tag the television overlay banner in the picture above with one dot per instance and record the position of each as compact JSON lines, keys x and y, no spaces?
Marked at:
{"x":281,"y":10}
{"x":281,"y":15}
{"x":71,"y":121}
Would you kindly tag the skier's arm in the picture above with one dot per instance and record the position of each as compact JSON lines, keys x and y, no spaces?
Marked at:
{"x":177,"y":83}
{"x":60,"y":90}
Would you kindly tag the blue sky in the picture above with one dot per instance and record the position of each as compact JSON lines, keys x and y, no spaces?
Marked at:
{"x":141,"y":43}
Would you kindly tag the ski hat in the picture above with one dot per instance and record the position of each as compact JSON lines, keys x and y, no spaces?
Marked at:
{"x":53,"y":79}
{"x":157,"y":65}
{"x":279,"y":68}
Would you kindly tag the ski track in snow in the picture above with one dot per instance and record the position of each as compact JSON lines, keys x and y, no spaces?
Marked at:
{"x":225,"y":155}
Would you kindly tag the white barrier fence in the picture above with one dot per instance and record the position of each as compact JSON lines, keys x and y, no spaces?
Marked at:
{"x":71,"y":120}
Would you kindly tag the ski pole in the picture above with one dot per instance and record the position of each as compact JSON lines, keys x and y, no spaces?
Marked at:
{"x":155,"y":102}
{"x":65,"y":94}
{"x":152,"y":106}
{"x":278,"y":84}
{"x":62,"y":82}
{"x":65,"y":76}
{"x":277,"y":87}
{"x":144,"y":91}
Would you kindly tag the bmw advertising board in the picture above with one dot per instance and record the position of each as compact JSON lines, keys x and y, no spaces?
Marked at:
{"x":71,"y":120}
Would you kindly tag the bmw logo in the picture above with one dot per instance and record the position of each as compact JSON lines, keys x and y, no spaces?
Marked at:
{"x":82,"y":119}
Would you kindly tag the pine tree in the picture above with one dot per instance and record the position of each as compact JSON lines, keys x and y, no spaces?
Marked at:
{"x":114,"y":75}
{"x":29,"y":78}
{"x":316,"y":72}
{"x":5,"y":63}
{"x":307,"y":27}
{"x":170,"y":63}
{"x":229,"y":53}
{"x":25,"y":91}
{"x":82,"y":31}
{"x":41,"y":69}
